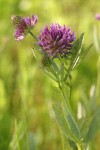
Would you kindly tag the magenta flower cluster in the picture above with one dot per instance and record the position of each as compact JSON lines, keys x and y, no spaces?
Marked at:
{"x":56,"y":40}
{"x":23,"y":25}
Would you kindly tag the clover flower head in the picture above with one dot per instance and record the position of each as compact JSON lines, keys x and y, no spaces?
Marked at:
{"x":97,"y":16}
{"x":56,"y":40}
{"x":23,"y":25}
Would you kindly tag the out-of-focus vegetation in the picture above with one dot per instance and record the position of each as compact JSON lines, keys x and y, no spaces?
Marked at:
{"x":26,"y":94}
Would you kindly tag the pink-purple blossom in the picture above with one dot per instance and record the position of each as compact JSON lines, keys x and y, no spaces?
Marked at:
{"x":56,"y":40}
{"x":23,"y":25}
{"x":97,"y":16}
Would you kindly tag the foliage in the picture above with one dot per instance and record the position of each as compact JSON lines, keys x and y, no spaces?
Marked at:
{"x":25,"y":90}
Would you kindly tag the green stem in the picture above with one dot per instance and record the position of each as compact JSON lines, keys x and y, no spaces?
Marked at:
{"x":33,"y":35}
{"x":79,"y":147}
{"x":64,"y":96}
{"x":68,"y":75}
{"x":70,"y":87}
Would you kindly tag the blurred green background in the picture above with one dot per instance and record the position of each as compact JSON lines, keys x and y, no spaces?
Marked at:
{"x":26,"y":93}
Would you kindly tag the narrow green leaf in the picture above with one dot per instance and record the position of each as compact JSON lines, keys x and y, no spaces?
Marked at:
{"x":62,"y":122}
{"x":78,"y":53}
{"x":62,"y":72}
{"x":54,"y":66}
{"x":76,"y":50}
{"x":71,"y":121}
{"x":78,"y":44}
{"x":47,"y":73}
{"x":53,"y":71}
{"x":84,"y":123}
{"x":84,"y":52}
{"x":82,"y":55}
{"x":94,"y":126}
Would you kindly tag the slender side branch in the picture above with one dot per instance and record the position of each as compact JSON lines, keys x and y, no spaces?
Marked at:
{"x":33,"y":35}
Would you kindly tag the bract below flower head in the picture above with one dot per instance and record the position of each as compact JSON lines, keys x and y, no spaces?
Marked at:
{"x":97,"y":16}
{"x":23,"y":25}
{"x":56,"y":40}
